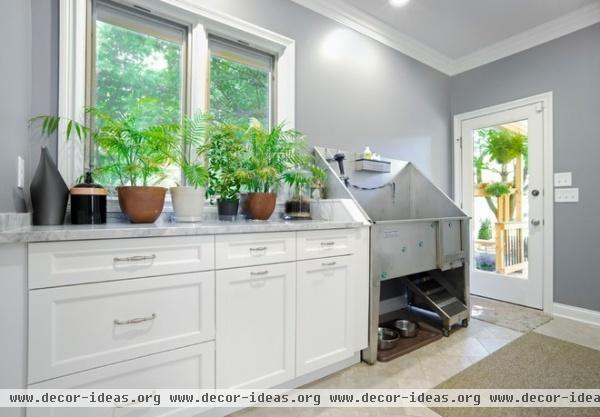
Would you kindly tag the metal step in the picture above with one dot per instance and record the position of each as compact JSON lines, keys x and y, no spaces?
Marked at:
{"x":437,"y":297}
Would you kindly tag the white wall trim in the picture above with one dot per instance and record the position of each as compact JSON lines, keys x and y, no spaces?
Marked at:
{"x":202,"y":21}
{"x":577,"y":313}
{"x":538,"y":35}
{"x":71,"y":85}
{"x":374,"y":28}
{"x":547,"y":100}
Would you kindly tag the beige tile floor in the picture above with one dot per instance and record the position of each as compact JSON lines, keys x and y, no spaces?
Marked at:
{"x":572,"y":331}
{"x":429,"y":366}
{"x":423,"y":368}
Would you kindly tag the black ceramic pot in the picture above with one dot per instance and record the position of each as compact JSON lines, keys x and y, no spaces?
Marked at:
{"x":49,"y":193}
{"x":88,"y":202}
{"x":227,"y":209}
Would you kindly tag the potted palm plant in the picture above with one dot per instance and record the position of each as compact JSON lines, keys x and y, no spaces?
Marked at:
{"x":268,"y":155}
{"x":136,"y":152}
{"x":187,"y":149}
{"x":223,"y":149}
{"x":301,"y":180}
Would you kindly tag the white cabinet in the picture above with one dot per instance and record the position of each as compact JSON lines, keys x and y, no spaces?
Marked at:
{"x":255,"y":326}
{"x":323,"y":243}
{"x":80,"y":327}
{"x":190,"y":367}
{"x":63,"y":263}
{"x":233,"y":251}
{"x":325,"y":303}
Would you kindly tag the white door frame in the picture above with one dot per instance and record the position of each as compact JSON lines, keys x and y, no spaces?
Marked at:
{"x":548,"y":193}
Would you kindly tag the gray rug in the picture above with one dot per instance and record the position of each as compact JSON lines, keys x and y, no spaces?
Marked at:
{"x":511,"y":316}
{"x":532,"y":361}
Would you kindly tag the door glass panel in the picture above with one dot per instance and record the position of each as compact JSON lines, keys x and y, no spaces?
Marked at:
{"x":500,"y":199}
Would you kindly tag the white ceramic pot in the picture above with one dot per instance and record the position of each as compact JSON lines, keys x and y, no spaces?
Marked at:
{"x":188,"y":203}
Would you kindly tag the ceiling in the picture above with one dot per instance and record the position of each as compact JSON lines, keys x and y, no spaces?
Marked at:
{"x":457,"y":35}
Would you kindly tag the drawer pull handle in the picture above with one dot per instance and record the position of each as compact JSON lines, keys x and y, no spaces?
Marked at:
{"x":329,"y":263}
{"x":261,"y":273}
{"x":327,"y":243}
{"x":135,"y":258}
{"x":259,"y":249}
{"x":134,"y":321}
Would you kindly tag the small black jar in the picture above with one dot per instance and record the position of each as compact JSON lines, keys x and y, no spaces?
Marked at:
{"x":88,"y":202}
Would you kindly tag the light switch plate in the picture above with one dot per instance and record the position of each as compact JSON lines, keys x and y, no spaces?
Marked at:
{"x":563,"y":179}
{"x":566,"y":195}
{"x":20,"y":172}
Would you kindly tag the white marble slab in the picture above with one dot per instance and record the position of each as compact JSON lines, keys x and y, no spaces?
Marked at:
{"x":125,"y":230}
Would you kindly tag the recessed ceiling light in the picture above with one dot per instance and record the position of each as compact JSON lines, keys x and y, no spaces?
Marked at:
{"x":399,"y":3}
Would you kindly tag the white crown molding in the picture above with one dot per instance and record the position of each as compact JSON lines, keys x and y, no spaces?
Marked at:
{"x":374,"y":28}
{"x":538,"y":35}
{"x":368,"y":25}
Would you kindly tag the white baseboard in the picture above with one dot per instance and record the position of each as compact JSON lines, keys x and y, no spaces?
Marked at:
{"x":576,"y":313}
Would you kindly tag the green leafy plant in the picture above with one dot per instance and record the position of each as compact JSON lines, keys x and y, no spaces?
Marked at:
{"x":136,"y":150}
{"x":223,"y":149}
{"x":268,"y":156}
{"x":498,"y":189}
{"x":485,"y":230}
{"x":304,"y":176}
{"x":498,"y":150}
{"x":187,"y":149}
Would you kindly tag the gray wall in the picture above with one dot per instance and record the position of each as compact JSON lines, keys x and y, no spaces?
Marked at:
{"x":368,"y":94}
{"x":15,"y":90}
{"x":570,"y":67}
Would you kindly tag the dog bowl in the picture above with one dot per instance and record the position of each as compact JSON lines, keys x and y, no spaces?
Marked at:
{"x":406,"y":328}
{"x":387,"y":338}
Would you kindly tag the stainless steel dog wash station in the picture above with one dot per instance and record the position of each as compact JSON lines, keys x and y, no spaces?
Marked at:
{"x":419,"y":259}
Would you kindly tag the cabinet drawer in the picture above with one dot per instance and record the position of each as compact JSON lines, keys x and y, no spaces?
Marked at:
{"x":325,"y":304}
{"x":64,"y":263}
{"x":255,"y":326}
{"x":323,"y":243}
{"x":233,"y":251}
{"x":76,"y":328}
{"x":187,"y":368}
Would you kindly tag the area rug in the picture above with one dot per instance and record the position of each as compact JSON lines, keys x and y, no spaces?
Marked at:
{"x":512,"y":316}
{"x":531,"y":361}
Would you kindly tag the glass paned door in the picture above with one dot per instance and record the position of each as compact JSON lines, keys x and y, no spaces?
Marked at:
{"x":501,"y":189}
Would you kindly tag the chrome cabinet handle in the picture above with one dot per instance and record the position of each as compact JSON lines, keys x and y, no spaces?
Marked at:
{"x":536,"y":222}
{"x":327,"y":243}
{"x":135,"y":258}
{"x":329,"y":263}
{"x":134,"y":321}
{"x":261,"y":273}
{"x":259,"y":249}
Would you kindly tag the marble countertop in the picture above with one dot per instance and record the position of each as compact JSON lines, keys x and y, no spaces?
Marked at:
{"x":126,"y":230}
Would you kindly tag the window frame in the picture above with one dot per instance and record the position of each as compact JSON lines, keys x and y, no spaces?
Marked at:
{"x":75,"y":55}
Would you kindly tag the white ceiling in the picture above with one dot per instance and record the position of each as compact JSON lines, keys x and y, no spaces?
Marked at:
{"x":457,"y":35}
{"x":457,"y":28}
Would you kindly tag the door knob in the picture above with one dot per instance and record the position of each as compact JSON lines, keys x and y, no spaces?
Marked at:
{"x":536,"y":222}
{"x":535,"y":193}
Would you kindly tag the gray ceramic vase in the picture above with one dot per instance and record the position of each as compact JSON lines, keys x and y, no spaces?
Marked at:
{"x":49,"y":193}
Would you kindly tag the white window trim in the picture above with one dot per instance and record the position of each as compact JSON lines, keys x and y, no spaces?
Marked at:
{"x":203,"y":21}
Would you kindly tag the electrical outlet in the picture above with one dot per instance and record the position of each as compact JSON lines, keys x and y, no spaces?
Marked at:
{"x":20,"y":173}
{"x":562,"y":179}
{"x":566,"y":195}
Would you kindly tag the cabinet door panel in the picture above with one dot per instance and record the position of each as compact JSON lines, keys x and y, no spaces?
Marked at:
{"x":255,"y":326}
{"x":325,"y":298}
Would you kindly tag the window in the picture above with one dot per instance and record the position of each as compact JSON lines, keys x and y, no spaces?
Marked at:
{"x":241,"y":83}
{"x":113,"y":53}
{"x":137,"y":57}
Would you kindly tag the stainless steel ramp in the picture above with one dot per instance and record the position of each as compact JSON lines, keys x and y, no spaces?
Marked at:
{"x":434,"y":293}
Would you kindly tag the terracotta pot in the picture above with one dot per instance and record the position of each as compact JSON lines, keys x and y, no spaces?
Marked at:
{"x":260,"y":206}
{"x":142,"y":204}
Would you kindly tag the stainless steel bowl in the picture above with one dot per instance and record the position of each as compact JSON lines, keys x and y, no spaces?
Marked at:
{"x":387,"y":338}
{"x":406,"y":328}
